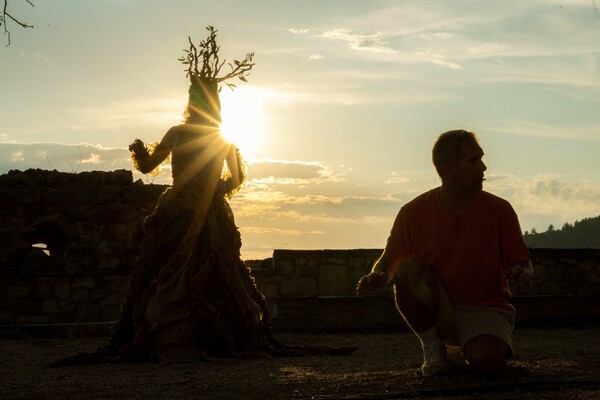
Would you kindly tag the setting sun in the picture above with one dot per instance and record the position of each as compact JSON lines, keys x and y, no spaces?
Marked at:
{"x":242,"y":111}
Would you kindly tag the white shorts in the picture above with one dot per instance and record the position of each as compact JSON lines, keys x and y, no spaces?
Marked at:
{"x":458,"y":323}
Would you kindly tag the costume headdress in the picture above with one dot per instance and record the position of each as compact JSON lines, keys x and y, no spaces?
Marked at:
{"x":203,"y":68}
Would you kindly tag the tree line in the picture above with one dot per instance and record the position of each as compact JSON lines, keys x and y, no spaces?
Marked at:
{"x":584,"y":234}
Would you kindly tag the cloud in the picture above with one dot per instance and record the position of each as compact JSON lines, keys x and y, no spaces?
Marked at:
{"x":371,"y":42}
{"x":62,"y":157}
{"x":396,"y":178}
{"x":315,"y":57}
{"x":262,"y":230}
{"x":437,"y":58}
{"x":538,"y":129}
{"x":523,"y":42}
{"x":92,"y":159}
{"x":37,"y":56}
{"x":432,"y":35}
{"x":281,"y":172}
{"x":17,"y":156}
{"x":298,"y":31}
{"x":543,"y":200}
{"x":128,"y":113}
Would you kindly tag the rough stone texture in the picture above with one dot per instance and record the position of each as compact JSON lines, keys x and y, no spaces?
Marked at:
{"x":89,"y":221}
{"x":334,"y":280}
{"x":61,"y":298}
{"x":96,"y":297}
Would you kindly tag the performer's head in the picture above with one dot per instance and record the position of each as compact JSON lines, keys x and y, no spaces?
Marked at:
{"x":204,"y":106}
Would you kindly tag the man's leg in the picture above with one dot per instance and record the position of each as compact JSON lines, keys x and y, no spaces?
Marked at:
{"x":417,"y":295}
{"x":486,"y":336}
{"x":418,"y":300}
{"x":487,"y":355}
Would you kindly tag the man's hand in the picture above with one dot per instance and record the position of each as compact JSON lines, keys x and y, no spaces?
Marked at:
{"x":521,"y":274}
{"x":373,"y":281}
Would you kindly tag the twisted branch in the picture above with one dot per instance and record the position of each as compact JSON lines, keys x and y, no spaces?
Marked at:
{"x":5,"y":14}
{"x":203,"y":61}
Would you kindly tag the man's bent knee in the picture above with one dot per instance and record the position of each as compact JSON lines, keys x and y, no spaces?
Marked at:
{"x":487,"y":355}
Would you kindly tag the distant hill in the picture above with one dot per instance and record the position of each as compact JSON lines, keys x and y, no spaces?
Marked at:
{"x":584,"y":234}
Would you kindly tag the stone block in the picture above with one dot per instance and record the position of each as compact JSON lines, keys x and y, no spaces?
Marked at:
{"x":286,"y":267}
{"x":35,"y":320}
{"x":299,"y":287}
{"x":97,"y":294}
{"x":307,"y":271}
{"x":338,"y":260}
{"x":269,"y":291}
{"x":44,"y":289}
{"x":49,"y":307}
{"x":301,"y":261}
{"x":111,"y":263}
{"x":17,"y":291}
{"x":88,"y":282}
{"x":568,"y":261}
{"x":334,"y":280}
{"x":356,"y":262}
{"x":118,"y":286}
{"x":81,"y":295}
{"x":87,"y":313}
{"x":111,"y":300}
{"x":313,"y":263}
{"x":586,"y":266}
{"x":104,"y":248}
{"x":62,"y":289}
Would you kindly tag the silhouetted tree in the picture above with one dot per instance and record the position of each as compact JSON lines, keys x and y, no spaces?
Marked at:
{"x":5,"y":16}
{"x":580,"y":234}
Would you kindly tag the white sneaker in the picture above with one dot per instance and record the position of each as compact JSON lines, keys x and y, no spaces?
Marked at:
{"x":435,"y":359}
{"x":455,"y":356}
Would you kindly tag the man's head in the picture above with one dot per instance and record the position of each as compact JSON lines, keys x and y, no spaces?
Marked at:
{"x":457,"y":157}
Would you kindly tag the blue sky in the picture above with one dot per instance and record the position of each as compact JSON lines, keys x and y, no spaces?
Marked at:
{"x":340,"y":113}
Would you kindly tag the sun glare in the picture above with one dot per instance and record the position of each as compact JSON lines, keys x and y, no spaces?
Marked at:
{"x":242,"y":112}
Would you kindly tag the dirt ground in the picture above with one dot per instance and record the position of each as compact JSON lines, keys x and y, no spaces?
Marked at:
{"x":549,"y":363}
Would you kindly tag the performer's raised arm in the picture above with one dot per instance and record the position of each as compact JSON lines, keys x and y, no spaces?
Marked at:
{"x":146,"y":160}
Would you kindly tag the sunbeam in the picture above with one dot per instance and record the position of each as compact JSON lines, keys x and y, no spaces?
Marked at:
{"x":243,"y":114}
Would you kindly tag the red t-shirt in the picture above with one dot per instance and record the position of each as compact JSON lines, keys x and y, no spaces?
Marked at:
{"x":467,"y":253}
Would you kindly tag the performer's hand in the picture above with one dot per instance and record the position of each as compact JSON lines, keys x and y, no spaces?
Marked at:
{"x":373,"y":281}
{"x":521,"y":274}
{"x":137,"y":147}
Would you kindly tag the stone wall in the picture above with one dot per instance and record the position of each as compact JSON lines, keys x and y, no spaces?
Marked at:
{"x":305,"y":289}
{"x":315,"y":289}
{"x":61,"y":298}
{"x":335,"y":272}
{"x":91,"y":224}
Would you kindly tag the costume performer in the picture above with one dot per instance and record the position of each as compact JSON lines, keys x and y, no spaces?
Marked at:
{"x":191,"y":295}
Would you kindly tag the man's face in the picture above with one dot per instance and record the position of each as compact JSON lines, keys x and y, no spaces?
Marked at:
{"x":468,"y":173}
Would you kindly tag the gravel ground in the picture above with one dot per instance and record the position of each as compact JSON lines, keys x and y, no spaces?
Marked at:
{"x":548,"y":364}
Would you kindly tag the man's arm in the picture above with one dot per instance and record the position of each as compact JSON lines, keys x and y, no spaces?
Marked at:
{"x":520,"y":274}
{"x":382,"y":273}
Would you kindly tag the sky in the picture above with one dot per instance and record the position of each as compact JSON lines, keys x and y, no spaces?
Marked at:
{"x":340,"y":112}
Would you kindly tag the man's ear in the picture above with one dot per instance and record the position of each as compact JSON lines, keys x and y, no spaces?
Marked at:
{"x":446,"y":170}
